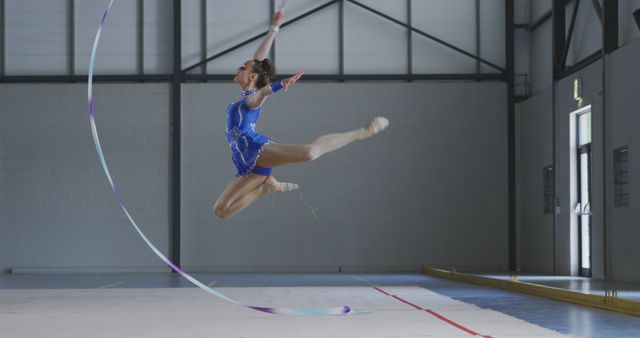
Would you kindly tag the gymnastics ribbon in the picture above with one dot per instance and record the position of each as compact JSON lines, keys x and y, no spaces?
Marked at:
{"x":273,"y":310}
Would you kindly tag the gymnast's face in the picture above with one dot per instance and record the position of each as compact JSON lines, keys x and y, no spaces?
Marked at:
{"x":244,"y":75}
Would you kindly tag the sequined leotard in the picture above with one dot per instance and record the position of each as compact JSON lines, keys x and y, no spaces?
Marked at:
{"x":246,"y":144}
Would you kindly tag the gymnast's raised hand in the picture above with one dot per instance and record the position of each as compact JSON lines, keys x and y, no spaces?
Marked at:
{"x":255,"y":155}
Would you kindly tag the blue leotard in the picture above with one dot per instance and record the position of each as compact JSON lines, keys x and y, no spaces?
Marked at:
{"x":246,"y":144}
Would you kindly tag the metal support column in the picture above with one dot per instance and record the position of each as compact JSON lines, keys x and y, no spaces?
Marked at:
{"x":409,"y":40}
{"x":559,"y":37}
{"x":609,"y":44}
{"x":71,"y":49}
{"x":341,"y":38}
{"x":2,"y":39}
{"x":610,"y":24}
{"x":272,"y":11}
{"x":176,"y":94}
{"x":203,"y":35}
{"x":511,"y":139}
{"x":478,"y":35}
{"x":140,"y":37}
{"x":559,"y":43}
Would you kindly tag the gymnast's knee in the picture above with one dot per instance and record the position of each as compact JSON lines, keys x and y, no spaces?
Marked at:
{"x":221,"y":210}
{"x":311,"y":153}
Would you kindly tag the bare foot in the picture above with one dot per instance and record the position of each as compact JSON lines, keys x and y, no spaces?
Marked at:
{"x":277,"y":186}
{"x":376,"y":125}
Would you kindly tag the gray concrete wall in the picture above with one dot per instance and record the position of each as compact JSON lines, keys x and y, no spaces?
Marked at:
{"x":623,"y":121}
{"x":615,"y":231}
{"x":432,"y":189}
{"x":58,"y":212}
{"x":535,"y":151}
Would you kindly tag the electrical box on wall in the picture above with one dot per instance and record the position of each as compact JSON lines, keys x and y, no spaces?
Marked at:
{"x":548,"y":190}
{"x":621,"y":177}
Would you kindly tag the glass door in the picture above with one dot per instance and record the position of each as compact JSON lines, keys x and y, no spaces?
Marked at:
{"x":584,"y":209}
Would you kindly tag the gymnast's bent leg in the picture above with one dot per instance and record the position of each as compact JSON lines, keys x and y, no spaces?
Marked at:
{"x":245,"y":190}
{"x":239,"y":187}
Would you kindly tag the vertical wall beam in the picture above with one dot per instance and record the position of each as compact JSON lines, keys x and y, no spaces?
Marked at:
{"x":71,"y":49}
{"x":409,"y":40}
{"x":510,"y":72}
{"x":478,"y":36}
{"x":610,"y":25}
{"x":559,"y":37}
{"x":272,"y":11}
{"x":140,"y":37}
{"x":609,"y":44}
{"x":2,"y":39}
{"x":341,"y":37}
{"x":558,"y":22}
{"x":203,"y":35}
{"x":176,"y":96}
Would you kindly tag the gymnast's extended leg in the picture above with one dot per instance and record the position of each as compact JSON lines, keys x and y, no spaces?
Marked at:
{"x":245,"y":190}
{"x":275,"y":154}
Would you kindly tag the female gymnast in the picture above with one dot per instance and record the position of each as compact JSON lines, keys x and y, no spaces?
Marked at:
{"x":254,"y":154}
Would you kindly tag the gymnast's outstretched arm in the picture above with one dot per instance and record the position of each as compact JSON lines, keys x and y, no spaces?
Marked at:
{"x":263,"y":51}
{"x":256,"y":99}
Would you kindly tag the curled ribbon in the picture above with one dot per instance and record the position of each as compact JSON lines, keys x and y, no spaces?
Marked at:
{"x":273,"y":310}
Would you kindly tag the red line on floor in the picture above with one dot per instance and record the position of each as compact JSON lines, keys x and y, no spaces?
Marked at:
{"x":406,"y":302}
{"x":433,"y":313}
{"x":379,"y":289}
{"x":451,"y":322}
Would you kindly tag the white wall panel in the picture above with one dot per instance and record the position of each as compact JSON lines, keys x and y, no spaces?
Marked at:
{"x":430,"y":57}
{"x":539,"y":8}
{"x":450,"y":20}
{"x":373,"y":44}
{"x":158,"y":36}
{"x":396,"y":9}
{"x":231,"y":22}
{"x":311,"y":44}
{"x":587,"y":33}
{"x":191,"y":34}
{"x":492,"y":33}
{"x":522,"y":12}
{"x":541,"y":66}
{"x":36,"y":37}
{"x":58,"y":211}
{"x":117,"y":53}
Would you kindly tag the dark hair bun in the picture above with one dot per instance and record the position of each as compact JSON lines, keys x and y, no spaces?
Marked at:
{"x":269,"y":68}
{"x":265,"y":70}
